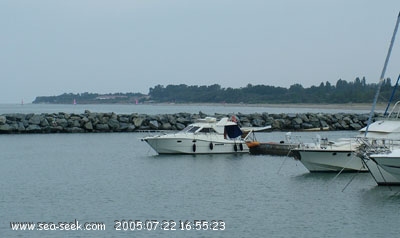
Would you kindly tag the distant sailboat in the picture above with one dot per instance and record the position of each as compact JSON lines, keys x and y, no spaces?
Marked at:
{"x":74,"y":101}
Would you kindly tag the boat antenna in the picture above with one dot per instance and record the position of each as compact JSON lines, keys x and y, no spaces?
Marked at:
{"x":382,"y":75}
{"x":391,"y":96}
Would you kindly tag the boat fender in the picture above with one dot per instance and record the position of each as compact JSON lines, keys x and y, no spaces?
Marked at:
{"x":194,"y":147}
{"x":241,"y":147}
{"x":235,"y":147}
{"x":211,"y":146}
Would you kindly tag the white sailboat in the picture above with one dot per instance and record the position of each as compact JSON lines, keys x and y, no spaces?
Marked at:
{"x":389,"y":162}
{"x":341,"y":155}
{"x":375,"y":158}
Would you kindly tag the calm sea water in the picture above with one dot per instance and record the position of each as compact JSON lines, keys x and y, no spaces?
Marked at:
{"x":105,"y":177}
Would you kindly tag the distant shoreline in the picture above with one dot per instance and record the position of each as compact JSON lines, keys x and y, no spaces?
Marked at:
{"x":345,"y":106}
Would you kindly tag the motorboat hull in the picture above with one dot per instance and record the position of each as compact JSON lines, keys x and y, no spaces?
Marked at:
{"x":205,"y":136}
{"x":323,"y":160}
{"x":195,"y":146}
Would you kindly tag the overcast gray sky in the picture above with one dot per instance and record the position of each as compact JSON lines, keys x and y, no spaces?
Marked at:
{"x":48,"y":47}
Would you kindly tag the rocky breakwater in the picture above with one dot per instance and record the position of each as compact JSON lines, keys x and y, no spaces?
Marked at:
{"x":111,"y":122}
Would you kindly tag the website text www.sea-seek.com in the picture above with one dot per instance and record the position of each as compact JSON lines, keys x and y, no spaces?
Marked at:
{"x":58,"y":226}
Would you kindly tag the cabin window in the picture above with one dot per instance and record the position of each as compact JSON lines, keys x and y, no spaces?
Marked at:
{"x":194,"y":129}
{"x":207,"y":130}
{"x":186,"y":129}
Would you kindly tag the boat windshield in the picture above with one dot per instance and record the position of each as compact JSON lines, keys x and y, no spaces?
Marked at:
{"x":194,"y":129}
{"x":208,"y":130}
{"x":190,"y":129}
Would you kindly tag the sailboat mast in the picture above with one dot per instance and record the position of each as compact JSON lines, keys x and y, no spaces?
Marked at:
{"x":382,"y":75}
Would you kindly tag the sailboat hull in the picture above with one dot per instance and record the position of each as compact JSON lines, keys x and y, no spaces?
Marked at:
{"x":381,"y":176}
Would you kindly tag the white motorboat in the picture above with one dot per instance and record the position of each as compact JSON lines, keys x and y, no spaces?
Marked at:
{"x":205,"y":136}
{"x":340,"y":155}
{"x":330,"y":156}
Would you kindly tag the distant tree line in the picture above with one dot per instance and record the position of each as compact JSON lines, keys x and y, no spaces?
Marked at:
{"x":88,"y":98}
{"x":357,"y":91}
{"x":343,"y":92}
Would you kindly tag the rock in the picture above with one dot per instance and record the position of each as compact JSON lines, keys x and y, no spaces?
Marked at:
{"x":92,"y":117}
{"x":138,"y":121}
{"x":247,"y":124}
{"x":88,"y":126}
{"x":5,"y":128}
{"x":62,"y":122}
{"x":278,"y":124}
{"x":313,"y":118}
{"x":35,"y":119}
{"x":3,"y":120}
{"x":103,"y":119}
{"x":258,"y":122}
{"x":183,"y":120}
{"x":179,"y":126}
{"x":364,"y":117}
{"x":153,"y":124}
{"x":56,"y":129}
{"x":74,"y":123}
{"x":123,"y":119}
{"x":344,"y":125}
{"x":172,"y":119}
{"x":44,"y":122}
{"x":85,"y":119}
{"x":166,"y":126}
{"x":324,"y":124}
{"x":163,"y":119}
{"x":337,"y":126}
{"x":304,"y":117}
{"x":74,"y":130}
{"x":347,"y":120}
{"x":33,"y":128}
{"x":339,"y":117}
{"x":113,"y":123}
{"x":297,"y":121}
{"x":28,"y":116}
{"x":131,"y":128}
{"x":102,"y":127}
{"x":125,"y":126}
{"x":21,"y":127}
{"x":355,"y":126}
{"x":308,"y":126}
